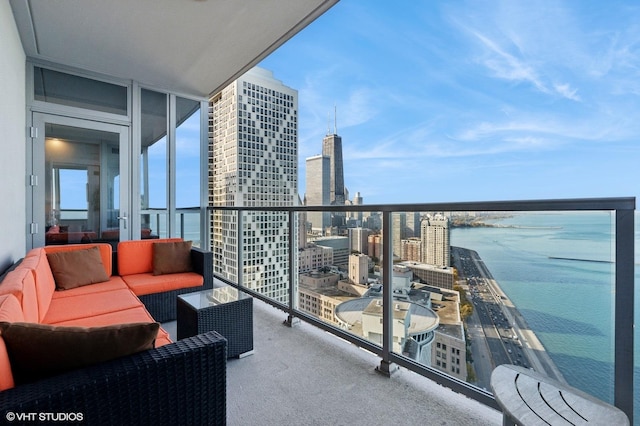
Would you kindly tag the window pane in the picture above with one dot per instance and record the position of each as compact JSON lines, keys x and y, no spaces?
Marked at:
{"x":153,"y":160}
{"x":81,"y":184}
{"x":187,"y":153}
{"x":188,"y":169}
{"x":79,"y":92}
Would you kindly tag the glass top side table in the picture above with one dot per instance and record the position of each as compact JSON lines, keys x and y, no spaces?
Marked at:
{"x":224,"y":309}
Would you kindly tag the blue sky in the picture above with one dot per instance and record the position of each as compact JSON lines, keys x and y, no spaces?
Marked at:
{"x":472,"y":101}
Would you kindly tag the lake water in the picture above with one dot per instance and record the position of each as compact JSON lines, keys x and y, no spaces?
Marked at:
{"x":568,"y":303}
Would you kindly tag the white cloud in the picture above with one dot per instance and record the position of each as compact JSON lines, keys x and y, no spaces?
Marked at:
{"x":566,"y":91}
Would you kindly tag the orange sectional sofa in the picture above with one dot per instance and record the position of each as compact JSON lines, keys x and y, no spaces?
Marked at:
{"x":134,"y":388}
{"x":134,"y":260}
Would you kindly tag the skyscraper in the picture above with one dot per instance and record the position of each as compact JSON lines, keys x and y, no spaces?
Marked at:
{"x":359,"y":239}
{"x":435,"y":240}
{"x":332,"y":148}
{"x":398,"y":231}
{"x":253,"y":162}
{"x":358,"y":201}
{"x":317,"y":191}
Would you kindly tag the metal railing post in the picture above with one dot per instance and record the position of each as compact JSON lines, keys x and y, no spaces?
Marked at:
{"x":239,"y":249}
{"x":182,"y":225}
{"x":292,"y":272}
{"x":386,"y":367}
{"x":624,"y":312}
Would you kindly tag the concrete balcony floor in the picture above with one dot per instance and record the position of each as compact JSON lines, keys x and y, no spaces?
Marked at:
{"x":305,"y":376}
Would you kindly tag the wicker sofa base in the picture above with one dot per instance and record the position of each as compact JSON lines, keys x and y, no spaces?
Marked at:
{"x":183,"y":383}
{"x":162,"y":306}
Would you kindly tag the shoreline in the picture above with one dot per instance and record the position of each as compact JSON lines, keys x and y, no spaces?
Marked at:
{"x":538,"y":357}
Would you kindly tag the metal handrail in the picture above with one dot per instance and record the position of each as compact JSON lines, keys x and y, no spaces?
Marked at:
{"x":624,"y":282}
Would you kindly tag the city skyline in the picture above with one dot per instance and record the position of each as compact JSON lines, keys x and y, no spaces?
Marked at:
{"x":441,"y":101}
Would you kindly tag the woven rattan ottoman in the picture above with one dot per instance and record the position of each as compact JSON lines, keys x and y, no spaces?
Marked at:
{"x":223,"y":309}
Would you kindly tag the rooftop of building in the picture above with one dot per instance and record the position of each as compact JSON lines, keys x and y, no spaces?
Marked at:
{"x":426,"y":266}
{"x":422,"y":319}
{"x":448,"y":310}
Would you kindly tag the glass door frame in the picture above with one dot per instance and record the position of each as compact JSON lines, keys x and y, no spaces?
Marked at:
{"x":36,"y":175}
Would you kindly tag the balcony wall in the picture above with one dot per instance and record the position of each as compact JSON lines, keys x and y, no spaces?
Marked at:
{"x":497,"y":310}
{"x":12,"y":140}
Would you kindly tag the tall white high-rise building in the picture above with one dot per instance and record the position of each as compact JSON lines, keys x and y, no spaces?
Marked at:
{"x":435,"y":240}
{"x":253,"y":162}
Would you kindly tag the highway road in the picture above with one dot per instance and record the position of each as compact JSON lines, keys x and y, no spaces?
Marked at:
{"x":498,"y":333}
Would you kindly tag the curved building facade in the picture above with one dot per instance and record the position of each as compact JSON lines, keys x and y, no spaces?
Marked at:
{"x":414,"y":325}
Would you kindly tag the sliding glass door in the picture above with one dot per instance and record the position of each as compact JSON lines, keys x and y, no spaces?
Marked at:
{"x":80,"y":181}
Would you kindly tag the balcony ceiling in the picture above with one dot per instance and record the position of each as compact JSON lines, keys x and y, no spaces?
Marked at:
{"x":194,"y":47}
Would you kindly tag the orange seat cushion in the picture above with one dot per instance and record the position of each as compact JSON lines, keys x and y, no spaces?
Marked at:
{"x":10,"y":311}
{"x":88,"y":305}
{"x":137,"y":314}
{"x":142,"y":284}
{"x":136,"y":256}
{"x":115,"y":283}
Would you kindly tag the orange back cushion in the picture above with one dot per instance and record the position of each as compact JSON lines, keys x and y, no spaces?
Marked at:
{"x":10,"y":311}
{"x":36,"y":260}
{"x":20,"y":282}
{"x":136,"y":256}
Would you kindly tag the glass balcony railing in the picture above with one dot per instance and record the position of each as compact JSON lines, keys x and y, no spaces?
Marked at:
{"x":187,"y":223}
{"x":451,"y":290}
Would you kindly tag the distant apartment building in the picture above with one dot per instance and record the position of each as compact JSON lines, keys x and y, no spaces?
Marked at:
{"x":359,"y":268}
{"x":359,"y":239}
{"x":398,"y":231}
{"x":435,"y":240}
{"x":314,"y":257}
{"x":372,"y":220}
{"x":449,"y":350}
{"x":340,"y":246}
{"x":374,"y":246}
{"x":358,"y":216}
{"x":412,"y":249}
{"x":449,"y":353}
{"x":318,"y":295}
{"x":412,"y":224}
{"x":253,"y":162}
{"x":436,"y":276}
